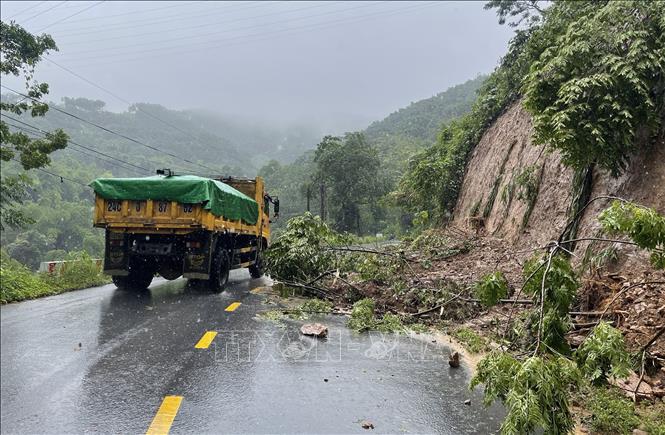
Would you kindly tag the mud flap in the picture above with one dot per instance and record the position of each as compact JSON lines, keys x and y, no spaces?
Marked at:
{"x":116,"y":253}
{"x":198,"y":256}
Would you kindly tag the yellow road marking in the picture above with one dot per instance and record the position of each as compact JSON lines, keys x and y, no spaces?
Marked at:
{"x":205,"y":341}
{"x":163,"y":420}
{"x":233,"y":306}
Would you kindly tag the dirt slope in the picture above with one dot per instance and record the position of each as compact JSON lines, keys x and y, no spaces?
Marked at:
{"x":506,"y":167}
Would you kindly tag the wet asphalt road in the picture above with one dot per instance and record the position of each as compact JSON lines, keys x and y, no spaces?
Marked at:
{"x":256,"y":377}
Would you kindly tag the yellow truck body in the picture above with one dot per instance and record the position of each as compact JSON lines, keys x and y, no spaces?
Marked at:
{"x":153,"y":236}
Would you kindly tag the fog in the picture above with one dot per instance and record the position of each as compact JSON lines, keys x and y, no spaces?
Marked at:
{"x":335,"y":65}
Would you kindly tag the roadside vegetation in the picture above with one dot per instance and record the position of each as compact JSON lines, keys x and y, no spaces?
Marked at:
{"x":18,"y":283}
{"x":591,"y":74}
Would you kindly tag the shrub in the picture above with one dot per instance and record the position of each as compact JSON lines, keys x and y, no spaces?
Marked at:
{"x":603,"y":353}
{"x":299,"y":252}
{"x":362,"y":315}
{"x":642,"y":224}
{"x":17,"y":283}
{"x":491,"y":288}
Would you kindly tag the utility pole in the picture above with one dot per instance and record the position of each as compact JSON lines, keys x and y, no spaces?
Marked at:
{"x":322,"y":196}
{"x":308,"y":193}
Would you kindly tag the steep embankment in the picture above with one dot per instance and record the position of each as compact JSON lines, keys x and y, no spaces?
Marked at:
{"x":524,"y":194}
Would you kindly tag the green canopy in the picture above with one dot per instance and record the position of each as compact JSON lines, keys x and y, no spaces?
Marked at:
{"x":221,"y":199}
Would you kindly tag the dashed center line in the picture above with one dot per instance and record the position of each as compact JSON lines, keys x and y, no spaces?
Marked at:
{"x":233,"y":306}
{"x":205,"y":341}
{"x":166,"y":413}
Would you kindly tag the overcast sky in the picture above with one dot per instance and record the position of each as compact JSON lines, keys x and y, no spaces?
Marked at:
{"x":333,"y":63}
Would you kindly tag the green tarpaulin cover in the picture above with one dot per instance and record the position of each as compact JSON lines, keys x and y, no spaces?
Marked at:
{"x":221,"y":199}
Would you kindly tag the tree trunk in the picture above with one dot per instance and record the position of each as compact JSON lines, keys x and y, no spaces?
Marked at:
{"x":322,"y":196}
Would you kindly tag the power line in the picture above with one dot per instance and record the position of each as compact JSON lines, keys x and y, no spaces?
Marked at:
{"x":164,"y":19}
{"x":243,"y":39}
{"x":101,"y":88}
{"x":254,"y":26}
{"x":112,"y":132}
{"x":217,"y":23}
{"x":37,"y":136}
{"x":61,"y":177}
{"x":69,"y":16}
{"x":176,"y":5}
{"x":44,"y":133}
{"x":79,"y":145}
{"x":29,"y":8}
{"x":43,"y":12}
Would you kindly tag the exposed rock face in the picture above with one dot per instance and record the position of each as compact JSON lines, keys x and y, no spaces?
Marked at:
{"x":491,"y":188}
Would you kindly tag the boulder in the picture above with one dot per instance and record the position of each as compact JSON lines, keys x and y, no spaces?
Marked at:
{"x":315,"y":329}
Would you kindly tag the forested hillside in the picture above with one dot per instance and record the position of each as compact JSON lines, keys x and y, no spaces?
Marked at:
{"x":214,"y":145}
{"x":155,"y":137}
{"x":395,"y":139}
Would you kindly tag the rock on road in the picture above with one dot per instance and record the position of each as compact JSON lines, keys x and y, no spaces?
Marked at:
{"x":104,"y":360}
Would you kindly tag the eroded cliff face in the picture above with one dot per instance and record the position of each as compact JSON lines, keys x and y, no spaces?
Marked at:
{"x":523,"y":194}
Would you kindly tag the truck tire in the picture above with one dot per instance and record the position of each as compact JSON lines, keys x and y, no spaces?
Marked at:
{"x":139,"y":278}
{"x":256,"y":269}
{"x":219,"y":275}
{"x":136,"y":280}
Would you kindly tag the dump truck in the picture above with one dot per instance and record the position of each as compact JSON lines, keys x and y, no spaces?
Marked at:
{"x":182,"y":225}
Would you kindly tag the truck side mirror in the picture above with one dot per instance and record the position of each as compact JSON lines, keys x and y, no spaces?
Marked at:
{"x":276,"y":206}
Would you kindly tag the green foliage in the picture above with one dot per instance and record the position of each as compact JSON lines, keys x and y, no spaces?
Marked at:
{"x":349,"y":168}
{"x":21,"y":51}
{"x":603,"y":354}
{"x":535,"y":391}
{"x":316,"y":306}
{"x":18,"y":283}
{"x":611,"y":412}
{"x":473,"y":342}
{"x":642,"y":224}
{"x":378,"y":268}
{"x":491,"y":288}
{"x":299,"y":253}
{"x":653,"y":418}
{"x":362,"y":318}
{"x":434,"y":176}
{"x":527,"y":182}
{"x":560,"y":286}
{"x":390,"y":323}
{"x":525,"y":11}
{"x":362,"y":315}
{"x":602,"y":80}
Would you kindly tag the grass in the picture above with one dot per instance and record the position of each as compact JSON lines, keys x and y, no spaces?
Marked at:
{"x":611,"y":412}
{"x":473,"y":342}
{"x":18,"y":283}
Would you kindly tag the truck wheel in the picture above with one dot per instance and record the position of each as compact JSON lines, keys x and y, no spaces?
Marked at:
{"x":256,"y":269}
{"x":142,"y":280}
{"x":121,"y":282}
{"x":220,"y":273}
{"x":136,"y":280}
